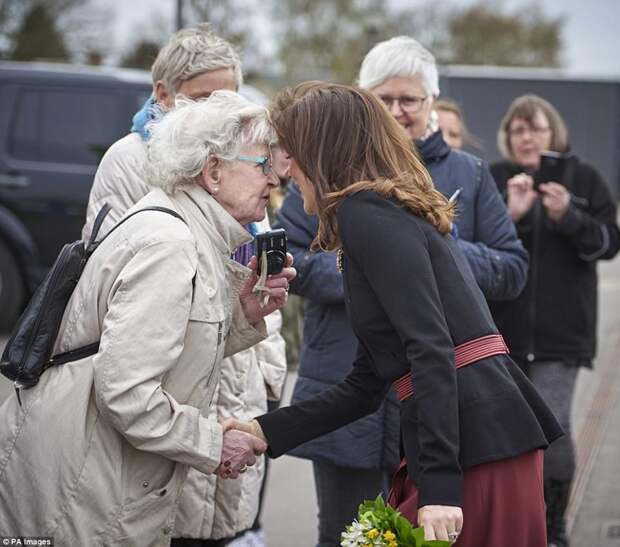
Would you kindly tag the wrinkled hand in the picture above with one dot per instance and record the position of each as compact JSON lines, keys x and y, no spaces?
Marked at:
{"x":555,"y":199}
{"x":239,"y":450}
{"x":521,"y":195}
{"x":442,"y":522}
{"x":252,"y":427}
{"x":278,"y":291}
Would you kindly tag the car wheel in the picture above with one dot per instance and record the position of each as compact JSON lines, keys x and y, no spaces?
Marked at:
{"x":12,"y":290}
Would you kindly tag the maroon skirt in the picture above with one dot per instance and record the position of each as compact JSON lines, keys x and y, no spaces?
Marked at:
{"x":503,"y":502}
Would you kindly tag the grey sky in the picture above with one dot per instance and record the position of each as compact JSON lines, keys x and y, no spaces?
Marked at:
{"x":591,"y":35}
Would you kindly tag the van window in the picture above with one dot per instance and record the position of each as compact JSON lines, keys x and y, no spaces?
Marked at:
{"x":64,"y":126}
{"x":24,"y":141}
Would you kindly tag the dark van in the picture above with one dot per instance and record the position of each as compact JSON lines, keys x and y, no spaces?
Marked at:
{"x":56,"y":121}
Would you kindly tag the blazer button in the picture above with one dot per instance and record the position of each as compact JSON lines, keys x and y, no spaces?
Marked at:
{"x":145,"y":484}
{"x":167,"y":530}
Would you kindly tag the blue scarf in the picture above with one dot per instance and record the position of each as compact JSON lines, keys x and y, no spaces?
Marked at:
{"x":144,"y":116}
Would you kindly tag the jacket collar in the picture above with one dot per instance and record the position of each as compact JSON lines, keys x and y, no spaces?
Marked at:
{"x":434,"y":148}
{"x":225,"y":232}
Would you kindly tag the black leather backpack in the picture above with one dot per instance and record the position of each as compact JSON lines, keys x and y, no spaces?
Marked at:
{"x":28,"y":352}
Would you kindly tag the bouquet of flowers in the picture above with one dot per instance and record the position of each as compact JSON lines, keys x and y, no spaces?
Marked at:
{"x":378,"y":524}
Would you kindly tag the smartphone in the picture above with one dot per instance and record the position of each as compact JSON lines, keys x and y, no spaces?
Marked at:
{"x":552,"y":168}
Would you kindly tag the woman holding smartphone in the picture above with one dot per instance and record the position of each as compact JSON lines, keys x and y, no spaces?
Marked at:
{"x":472,"y":425}
{"x":566,"y":218}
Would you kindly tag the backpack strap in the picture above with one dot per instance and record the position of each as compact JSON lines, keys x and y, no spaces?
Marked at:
{"x":91,"y":349}
{"x":97,"y":225}
{"x":92,"y":244}
{"x":72,"y":355}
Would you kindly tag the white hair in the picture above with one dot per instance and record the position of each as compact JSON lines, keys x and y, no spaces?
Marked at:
{"x":401,"y":56}
{"x":186,"y":136}
{"x":191,"y":52}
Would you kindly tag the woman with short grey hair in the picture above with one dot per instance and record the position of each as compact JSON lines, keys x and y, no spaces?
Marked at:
{"x":193,"y":64}
{"x":104,"y":444}
{"x":192,"y":52}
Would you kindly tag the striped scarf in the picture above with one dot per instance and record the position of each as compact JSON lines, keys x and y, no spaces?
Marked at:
{"x":247,"y":250}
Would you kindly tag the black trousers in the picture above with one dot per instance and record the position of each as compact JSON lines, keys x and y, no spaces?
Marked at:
{"x":339,"y":492}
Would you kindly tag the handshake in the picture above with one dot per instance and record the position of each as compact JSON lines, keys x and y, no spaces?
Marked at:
{"x":242,"y":442}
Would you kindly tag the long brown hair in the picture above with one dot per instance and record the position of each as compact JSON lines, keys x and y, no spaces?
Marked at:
{"x":345,"y":141}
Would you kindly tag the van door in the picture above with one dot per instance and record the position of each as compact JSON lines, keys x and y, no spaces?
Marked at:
{"x":56,"y":137}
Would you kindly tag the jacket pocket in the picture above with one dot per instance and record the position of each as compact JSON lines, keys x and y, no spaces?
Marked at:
{"x":148,"y":520}
{"x":207,"y":305}
{"x":208,"y":314}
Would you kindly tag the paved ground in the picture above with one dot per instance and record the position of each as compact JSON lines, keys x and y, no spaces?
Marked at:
{"x":594,"y":514}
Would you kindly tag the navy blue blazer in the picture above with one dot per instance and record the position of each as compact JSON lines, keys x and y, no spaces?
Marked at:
{"x":328,"y":351}
{"x":412,"y":297}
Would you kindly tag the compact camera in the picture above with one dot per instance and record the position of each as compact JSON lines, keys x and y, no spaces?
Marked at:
{"x":273,"y":243}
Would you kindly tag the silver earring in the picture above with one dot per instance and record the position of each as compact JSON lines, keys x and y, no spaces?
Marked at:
{"x":215,"y":190}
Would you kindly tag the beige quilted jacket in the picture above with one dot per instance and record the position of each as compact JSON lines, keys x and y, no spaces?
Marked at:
{"x":98,"y":452}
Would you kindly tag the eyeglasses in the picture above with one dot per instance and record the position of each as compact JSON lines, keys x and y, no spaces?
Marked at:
{"x":263,"y":161}
{"x":409,"y":104}
{"x":520,"y":132}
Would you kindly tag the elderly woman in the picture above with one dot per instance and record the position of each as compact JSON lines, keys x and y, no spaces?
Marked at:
{"x":99,"y":450}
{"x":193,"y":64}
{"x":567,"y":225}
{"x":472,"y":425}
{"x":403,"y":74}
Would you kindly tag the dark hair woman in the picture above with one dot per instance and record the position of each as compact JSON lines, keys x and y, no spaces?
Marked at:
{"x":471,"y":437}
{"x":567,"y":223}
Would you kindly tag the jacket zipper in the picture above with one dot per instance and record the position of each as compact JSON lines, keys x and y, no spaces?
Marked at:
{"x":217,"y":349}
{"x":531,"y":355}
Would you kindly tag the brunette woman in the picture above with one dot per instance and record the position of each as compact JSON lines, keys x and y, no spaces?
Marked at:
{"x":472,"y":424}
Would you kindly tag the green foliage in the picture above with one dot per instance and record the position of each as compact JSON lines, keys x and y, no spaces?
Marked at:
{"x":223,"y":16}
{"x":43,"y":29}
{"x":241,"y":23}
{"x":379,"y":516}
{"x":327,"y":39}
{"x":485,"y":34}
{"x":313,"y":39}
{"x":38,"y":37}
{"x":142,"y":56}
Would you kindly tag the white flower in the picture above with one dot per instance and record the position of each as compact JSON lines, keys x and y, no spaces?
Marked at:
{"x":355,"y":535}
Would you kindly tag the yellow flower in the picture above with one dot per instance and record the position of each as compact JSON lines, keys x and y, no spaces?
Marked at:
{"x":389,"y":535}
{"x":392,"y":544}
{"x":372,"y":534}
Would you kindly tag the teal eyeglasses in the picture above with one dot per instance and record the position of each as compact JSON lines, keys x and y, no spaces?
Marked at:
{"x":263,"y":161}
